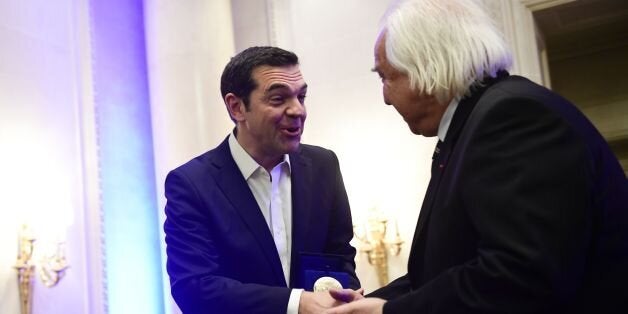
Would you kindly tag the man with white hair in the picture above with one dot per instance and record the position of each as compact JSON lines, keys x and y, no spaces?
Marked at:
{"x":526,"y":210}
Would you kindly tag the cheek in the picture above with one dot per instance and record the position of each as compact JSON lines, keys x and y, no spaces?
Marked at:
{"x":386,"y":93}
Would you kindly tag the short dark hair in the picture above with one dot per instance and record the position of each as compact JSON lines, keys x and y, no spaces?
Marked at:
{"x":237,"y":77}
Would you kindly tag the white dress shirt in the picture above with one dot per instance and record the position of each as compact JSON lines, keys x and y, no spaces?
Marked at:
{"x":273,"y":193}
{"x":445,"y":121}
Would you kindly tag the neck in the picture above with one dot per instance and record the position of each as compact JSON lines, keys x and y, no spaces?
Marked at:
{"x":267,"y":161}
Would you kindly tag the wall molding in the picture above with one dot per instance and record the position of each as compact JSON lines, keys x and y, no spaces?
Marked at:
{"x":279,"y":23}
{"x":536,"y":5}
{"x":520,"y":31}
{"x":93,"y":216}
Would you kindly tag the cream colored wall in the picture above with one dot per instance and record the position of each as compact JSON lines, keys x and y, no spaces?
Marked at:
{"x":46,"y":110}
{"x":383,"y":164}
{"x":42,"y":139}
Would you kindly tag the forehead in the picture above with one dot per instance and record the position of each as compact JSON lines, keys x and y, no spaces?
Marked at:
{"x":269,"y":76}
{"x":382,"y":66}
{"x":380,"y":52}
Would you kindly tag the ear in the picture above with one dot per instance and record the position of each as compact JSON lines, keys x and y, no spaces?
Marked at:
{"x":235,"y":106}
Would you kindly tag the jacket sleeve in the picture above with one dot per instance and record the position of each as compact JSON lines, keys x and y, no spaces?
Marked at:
{"x":397,"y":287}
{"x":193,"y":261}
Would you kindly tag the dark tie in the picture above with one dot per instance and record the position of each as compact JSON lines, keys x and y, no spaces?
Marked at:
{"x":435,"y":156}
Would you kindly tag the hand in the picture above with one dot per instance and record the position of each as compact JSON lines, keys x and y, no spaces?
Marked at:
{"x":347,"y":295}
{"x":362,"y":306}
{"x":316,"y":302}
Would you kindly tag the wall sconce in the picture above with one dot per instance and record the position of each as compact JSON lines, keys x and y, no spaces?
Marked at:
{"x":51,"y":267}
{"x":375,"y":243}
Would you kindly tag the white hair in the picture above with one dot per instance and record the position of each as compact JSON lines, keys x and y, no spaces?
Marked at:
{"x":444,"y":46}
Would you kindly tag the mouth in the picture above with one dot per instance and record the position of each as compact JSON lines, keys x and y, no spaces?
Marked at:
{"x":291,"y":131}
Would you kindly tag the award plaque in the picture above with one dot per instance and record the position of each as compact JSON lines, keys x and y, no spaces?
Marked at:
{"x":324,"y":269}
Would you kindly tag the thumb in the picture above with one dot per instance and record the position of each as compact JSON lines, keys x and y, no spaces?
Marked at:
{"x":344,"y":295}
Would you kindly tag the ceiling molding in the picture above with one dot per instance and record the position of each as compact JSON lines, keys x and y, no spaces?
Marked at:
{"x":536,"y":5}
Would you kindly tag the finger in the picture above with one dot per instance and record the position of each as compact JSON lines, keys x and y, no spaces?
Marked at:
{"x":342,"y":309}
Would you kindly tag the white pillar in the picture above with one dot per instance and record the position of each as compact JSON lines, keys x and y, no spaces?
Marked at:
{"x":516,"y":20}
{"x":188,"y":43}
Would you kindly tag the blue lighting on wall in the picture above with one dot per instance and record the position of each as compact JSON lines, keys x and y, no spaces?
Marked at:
{"x":131,"y":224}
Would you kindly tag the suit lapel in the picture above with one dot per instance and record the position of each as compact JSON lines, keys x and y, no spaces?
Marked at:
{"x":462,"y":112}
{"x":301,"y":178}
{"x":426,"y":208}
{"x":458,"y":121}
{"x":235,"y":188}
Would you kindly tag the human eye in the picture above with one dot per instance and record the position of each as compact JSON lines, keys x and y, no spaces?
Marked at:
{"x":301,"y":98}
{"x":276,"y":100}
{"x":379,"y":73}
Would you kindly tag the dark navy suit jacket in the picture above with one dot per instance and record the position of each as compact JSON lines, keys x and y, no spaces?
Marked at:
{"x":221,"y":253}
{"x":526,"y":212}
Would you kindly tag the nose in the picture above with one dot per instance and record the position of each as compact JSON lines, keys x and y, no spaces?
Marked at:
{"x":295,"y":108}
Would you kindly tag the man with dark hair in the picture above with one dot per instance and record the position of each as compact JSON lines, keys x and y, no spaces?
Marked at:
{"x":236,"y":77}
{"x":240,"y":216}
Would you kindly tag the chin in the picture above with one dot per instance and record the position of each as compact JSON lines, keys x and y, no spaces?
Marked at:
{"x":415,"y":130}
{"x":430,"y":134}
{"x":292,"y":147}
{"x":420,"y":131}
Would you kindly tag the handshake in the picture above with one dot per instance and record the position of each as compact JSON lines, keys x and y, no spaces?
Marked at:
{"x":339,"y":301}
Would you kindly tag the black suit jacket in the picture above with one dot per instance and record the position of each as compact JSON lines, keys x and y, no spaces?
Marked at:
{"x":526,"y":212}
{"x":221,"y":254}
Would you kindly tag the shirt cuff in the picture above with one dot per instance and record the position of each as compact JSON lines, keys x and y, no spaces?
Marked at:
{"x":293,"y":302}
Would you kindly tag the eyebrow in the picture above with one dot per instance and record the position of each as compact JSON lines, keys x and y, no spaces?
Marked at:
{"x":378,"y":71}
{"x":280,"y":86}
